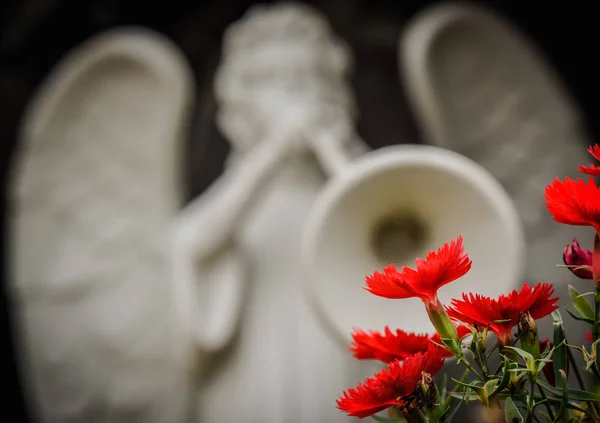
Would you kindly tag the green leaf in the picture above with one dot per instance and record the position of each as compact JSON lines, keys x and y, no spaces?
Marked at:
{"x":473,"y":346}
{"x":561,"y":414}
{"x":574,"y":394}
{"x":449,"y":399}
{"x":580,"y":349}
{"x":450,"y":411}
{"x":546,"y":358}
{"x":381,"y":419}
{"x":581,"y":319}
{"x":559,"y":357}
{"x":468,"y":385}
{"x":530,"y":361}
{"x":555,"y":400}
{"x":489,"y":387}
{"x":473,"y":332}
{"x":511,"y":412}
{"x":438,"y":344}
{"x":441,"y":393}
{"x":581,"y":304}
{"x":505,"y":378}
{"x":524,"y":354}
{"x":540,"y":365}
{"x":596,"y":353}
{"x":467,"y":395}
{"x":451,"y":345}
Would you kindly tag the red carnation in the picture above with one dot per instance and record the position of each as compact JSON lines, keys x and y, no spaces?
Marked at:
{"x":502,"y":314}
{"x":580,"y":258}
{"x":399,"y":345}
{"x":592,"y":169}
{"x":393,"y":386}
{"x":438,"y":268}
{"x":574,"y":202}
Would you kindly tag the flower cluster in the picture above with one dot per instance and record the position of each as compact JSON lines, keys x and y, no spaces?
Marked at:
{"x":406,"y":388}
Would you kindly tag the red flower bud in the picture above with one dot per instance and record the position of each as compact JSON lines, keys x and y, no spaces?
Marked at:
{"x":580,"y":258}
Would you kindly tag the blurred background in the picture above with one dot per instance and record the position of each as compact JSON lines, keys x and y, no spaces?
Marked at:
{"x":35,"y":34}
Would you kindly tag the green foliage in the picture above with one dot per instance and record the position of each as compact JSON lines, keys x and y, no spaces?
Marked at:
{"x":511,"y":412}
{"x":518,"y":384}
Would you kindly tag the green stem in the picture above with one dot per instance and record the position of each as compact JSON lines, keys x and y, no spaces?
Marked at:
{"x":548,"y":408}
{"x":575,"y":368}
{"x":457,"y":388}
{"x":593,"y":408}
{"x":470,"y":367}
{"x":489,"y":353}
{"x":530,"y":401}
{"x":596,"y":328}
{"x":480,"y":359}
{"x":595,"y":372}
{"x":579,"y":378}
{"x":596,"y":276}
{"x":500,"y":366}
{"x":593,"y":411}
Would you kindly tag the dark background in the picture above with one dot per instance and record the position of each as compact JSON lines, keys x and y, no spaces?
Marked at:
{"x":35,"y":34}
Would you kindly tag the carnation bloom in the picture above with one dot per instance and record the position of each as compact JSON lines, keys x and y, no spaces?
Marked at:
{"x":574,"y":202}
{"x":502,"y":314}
{"x":592,"y":169}
{"x":399,"y":345}
{"x":393,"y":386}
{"x":581,"y":258}
{"x":438,"y":268}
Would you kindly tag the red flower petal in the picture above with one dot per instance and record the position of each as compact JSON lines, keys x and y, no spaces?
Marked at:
{"x":481,"y":312}
{"x":592,"y":169}
{"x":574,"y":202}
{"x":399,"y":345}
{"x":502,"y":314}
{"x":392,"y":283}
{"x":388,"y":346}
{"x":437,"y":269}
{"x":390,"y":386}
{"x":535,"y":300}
